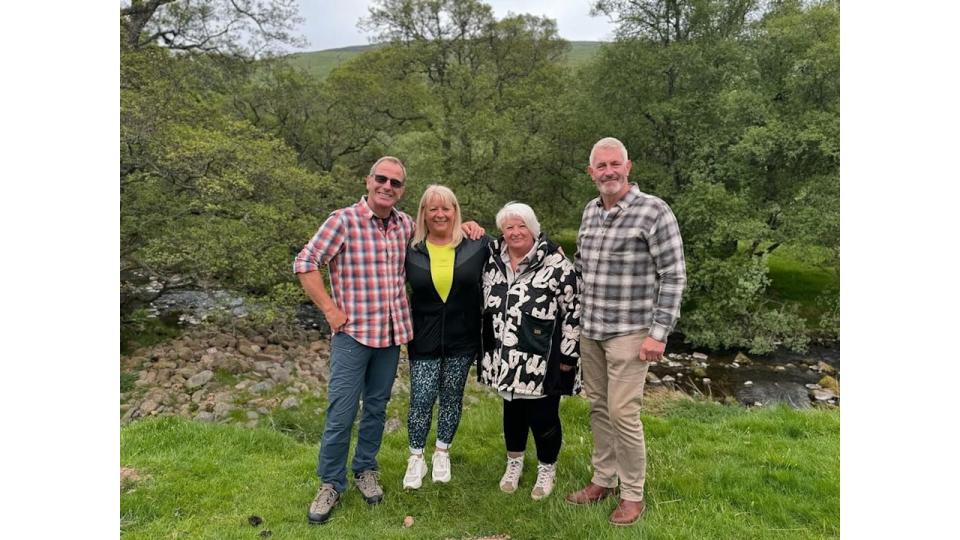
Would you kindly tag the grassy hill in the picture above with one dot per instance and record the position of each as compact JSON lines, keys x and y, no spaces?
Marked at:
{"x":321,"y":63}
{"x":714,"y":471}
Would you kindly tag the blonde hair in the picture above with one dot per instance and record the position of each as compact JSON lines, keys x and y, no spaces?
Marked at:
{"x":445,"y":194}
{"x":514,"y":209}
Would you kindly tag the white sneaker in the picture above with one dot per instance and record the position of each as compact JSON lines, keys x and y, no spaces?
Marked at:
{"x":441,"y":467}
{"x":545,"y":477}
{"x":416,"y":470}
{"x":511,"y":477}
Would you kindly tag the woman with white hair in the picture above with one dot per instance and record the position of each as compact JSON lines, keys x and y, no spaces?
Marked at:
{"x":531,"y":334}
{"x":443,"y":269}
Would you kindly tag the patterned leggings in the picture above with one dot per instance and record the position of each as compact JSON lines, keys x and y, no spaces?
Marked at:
{"x":429,"y":377}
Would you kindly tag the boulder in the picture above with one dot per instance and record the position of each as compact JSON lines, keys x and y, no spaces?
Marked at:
{"x":823,"y":394}
{"x":290,"y":403}
{"x":825,"y":367}
{"x":829,"y":383}
{"x":199,"y":379}
{"x":652,"y":378}
{"x":700,"y":356}
{"x":742,"y":359}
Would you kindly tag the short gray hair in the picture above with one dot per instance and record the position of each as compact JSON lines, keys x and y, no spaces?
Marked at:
{"x":609,"y":142}
{"x":514,"y":209}
{"x":391,"y":159}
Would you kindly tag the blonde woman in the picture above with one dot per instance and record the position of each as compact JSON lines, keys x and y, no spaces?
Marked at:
{"x":444,"y":272}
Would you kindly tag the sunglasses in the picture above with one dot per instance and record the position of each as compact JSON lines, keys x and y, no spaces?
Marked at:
{"x":381,"y":179}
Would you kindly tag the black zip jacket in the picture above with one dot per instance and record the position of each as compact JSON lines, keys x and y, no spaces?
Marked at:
{"x":452,"y":328}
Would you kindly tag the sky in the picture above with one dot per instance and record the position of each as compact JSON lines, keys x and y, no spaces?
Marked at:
{"x":332,"y":24}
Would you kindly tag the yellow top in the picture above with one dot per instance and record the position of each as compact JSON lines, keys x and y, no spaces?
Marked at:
{"x":441,"y":268}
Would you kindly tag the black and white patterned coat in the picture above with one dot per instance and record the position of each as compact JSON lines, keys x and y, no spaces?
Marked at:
{"x":531,"y":326}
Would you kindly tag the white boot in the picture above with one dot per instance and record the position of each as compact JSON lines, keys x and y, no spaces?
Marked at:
{"x":511,"y":477}
{"x":546,"y":474}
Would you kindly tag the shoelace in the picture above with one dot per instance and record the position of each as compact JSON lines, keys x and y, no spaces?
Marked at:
{"x":542,"y":477}
{"x":514,"y":468}
{"x":326,"y":497}
{"x":368,"y":481}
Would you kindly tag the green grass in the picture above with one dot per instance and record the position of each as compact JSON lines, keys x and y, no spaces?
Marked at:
{"x":321,"y":63}
{"x":714,"y":471}
{"x":799,"y":278}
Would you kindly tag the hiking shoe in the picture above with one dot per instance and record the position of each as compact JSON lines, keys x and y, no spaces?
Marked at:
{"x":441,"y":467}
{"x":511,"y":477}
{"x":545,"y":477}
{"x":416,"y":470}
{"x":368,"y":482}
{"x":323,"y":504}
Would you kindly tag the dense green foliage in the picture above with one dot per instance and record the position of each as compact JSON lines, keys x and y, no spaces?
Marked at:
{"x":729,"y":108}
{"x":714,"y":471}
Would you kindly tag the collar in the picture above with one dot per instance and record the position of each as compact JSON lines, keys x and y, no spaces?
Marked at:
{"x":365,"y":211}
{"x":628,"y":198}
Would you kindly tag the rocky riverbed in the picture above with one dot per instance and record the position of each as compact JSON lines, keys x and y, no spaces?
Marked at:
{"x":243,"y":376}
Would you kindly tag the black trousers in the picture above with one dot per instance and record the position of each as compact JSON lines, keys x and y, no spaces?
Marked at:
{"x":542,"y":417}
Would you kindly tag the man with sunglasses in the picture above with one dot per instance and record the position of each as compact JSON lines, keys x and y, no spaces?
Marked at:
{"x":364,"y":246}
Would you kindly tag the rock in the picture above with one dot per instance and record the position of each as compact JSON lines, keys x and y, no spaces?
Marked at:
{"x":748,"y":383}
{"x":199,"y":379}
{"x":408,"y":522}
{"x":279,"y":374}
{"x":811,"y":386}
{"x":204,"y":416}
{"x":706,"y":381}
{"x":825,"y":367}
{"x":252,"y":415}
{"x":290,"y":403}
{"x":242,"y":385}
{"x":779,"y":368}
{"x":147,"y":378}
{"x":197,"y":396}
{"x":829,"y":383}
{"x":263,"y":386}
{"x":742,"y":359}
{"x":734,"y":365}
{"x":652,"y":378}
{"x":391,"y":425}
{"x":700,"y":356}
{"x":293,"y":390}
{"x":823,"y":394}
{"x":222,"y":409}
{"x":667,"y":379}
{"x":699,"y":372}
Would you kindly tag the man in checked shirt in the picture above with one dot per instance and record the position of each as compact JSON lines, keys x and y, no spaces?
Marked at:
{"x":364,"y":246}
{"x":630,"y":256}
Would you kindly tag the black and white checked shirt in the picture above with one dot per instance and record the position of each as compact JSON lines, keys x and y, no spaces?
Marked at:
{"x":632,"y":265}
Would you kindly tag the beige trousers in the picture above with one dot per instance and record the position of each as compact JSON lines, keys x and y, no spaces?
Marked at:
{"x":613,"y":379}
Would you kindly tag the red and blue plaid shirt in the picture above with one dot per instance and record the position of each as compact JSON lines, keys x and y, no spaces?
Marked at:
{"x":367,"y":278}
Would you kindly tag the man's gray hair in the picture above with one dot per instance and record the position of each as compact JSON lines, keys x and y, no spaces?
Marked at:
{"x":611,"y":143}
{"x":514,"y":209}
{"x":391,"y":159}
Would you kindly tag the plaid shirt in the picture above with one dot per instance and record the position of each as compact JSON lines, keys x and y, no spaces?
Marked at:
{"x":366,"y":271}
{"x":632,"y":267}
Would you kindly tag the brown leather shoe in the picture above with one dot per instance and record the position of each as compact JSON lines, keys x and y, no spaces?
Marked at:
{"x":591,"y":494}
{"x":627,"y":512}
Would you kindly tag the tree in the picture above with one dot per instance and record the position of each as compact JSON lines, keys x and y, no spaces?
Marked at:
{"x":731,"y":113}
{"x":242,"y":28}
{"x":487,"y":85}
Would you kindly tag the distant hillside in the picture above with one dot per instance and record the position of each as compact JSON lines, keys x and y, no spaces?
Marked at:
{"x":321,"y":63}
